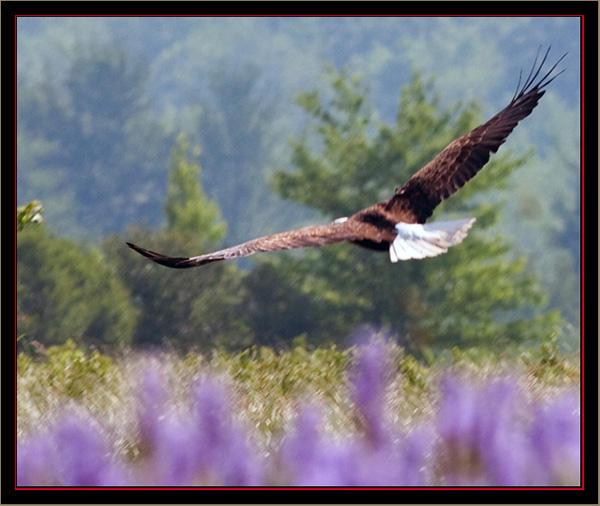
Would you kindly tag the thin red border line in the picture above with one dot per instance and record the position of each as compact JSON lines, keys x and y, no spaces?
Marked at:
{"x":581,"y":185}
{"x":15,"y":356}
{"x":300,"y":15}
{"x":260,"y":488}
{"x":582,"y":474}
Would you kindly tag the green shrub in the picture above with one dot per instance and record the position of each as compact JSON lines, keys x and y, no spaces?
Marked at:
{"x":67,"y":292}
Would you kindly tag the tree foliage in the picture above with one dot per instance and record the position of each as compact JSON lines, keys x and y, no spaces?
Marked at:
{"x":184,"y":308}
{"x":347,"y":160}
{"x":188,"y":210}
{"x":65,"y":291}
{"x":276,"y":308}
{"x":29,"y":214}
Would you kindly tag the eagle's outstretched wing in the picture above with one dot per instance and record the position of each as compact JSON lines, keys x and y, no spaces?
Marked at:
{"x":318,"y":235}
{"x":462,"y":159}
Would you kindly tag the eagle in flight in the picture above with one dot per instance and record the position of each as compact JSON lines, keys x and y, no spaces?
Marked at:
{"x":398,"y":223}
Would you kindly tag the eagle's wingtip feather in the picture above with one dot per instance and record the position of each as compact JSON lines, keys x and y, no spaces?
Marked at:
{"x":173,"y":262}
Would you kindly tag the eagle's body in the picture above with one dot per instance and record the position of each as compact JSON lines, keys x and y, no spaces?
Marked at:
{"x":398,"y":223}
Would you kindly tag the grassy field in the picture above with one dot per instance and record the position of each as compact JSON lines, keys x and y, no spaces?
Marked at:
{"x":265,"y":392}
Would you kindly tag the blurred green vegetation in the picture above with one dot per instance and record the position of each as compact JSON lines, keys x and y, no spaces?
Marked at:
{"x":67,"y":291}
{"x":67,"y":370}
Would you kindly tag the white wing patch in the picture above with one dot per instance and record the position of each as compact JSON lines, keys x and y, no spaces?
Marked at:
{"x":429,"y":240}
{"x":341,"y":220}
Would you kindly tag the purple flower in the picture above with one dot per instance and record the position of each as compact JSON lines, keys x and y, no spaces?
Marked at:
{"x":417,"y":452}
{"x":82,"y":455}
{"x":221,"y":449}
{"x":151,"y":408}
{"x":212,"y":419}
{"x":241,"y":467}
{"x":307,"y":459}
{"x":34,"y":462}
{"x":370,"y":378}
{"x":172,"y":462}
{"x":302,"y":454}
{"x":481,"y":436}
{"x":556,"y":442}
{"x":377,"y":457}
{"x":300,"y":448}
{"x":200,"y":448}
{"x":72,"y":453}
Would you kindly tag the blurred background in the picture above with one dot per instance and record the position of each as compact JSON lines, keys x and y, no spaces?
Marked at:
{"x":188,"y":134}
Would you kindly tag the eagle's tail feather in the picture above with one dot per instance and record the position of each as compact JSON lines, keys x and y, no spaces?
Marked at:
{"x":429,"y":240}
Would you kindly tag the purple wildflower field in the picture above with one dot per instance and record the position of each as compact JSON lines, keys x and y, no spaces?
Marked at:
{"x":479,"y":434}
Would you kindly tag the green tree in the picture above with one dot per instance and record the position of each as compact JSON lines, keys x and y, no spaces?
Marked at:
{"x":67,"y":292}
{"x":189,"y":212}
{"x":197,"y":308}
{"x":276,"y":308}
{"x":545,"y":218}
{"x":347,"y":160}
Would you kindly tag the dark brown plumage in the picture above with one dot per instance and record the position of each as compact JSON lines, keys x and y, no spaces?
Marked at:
{"x":396,"y":223}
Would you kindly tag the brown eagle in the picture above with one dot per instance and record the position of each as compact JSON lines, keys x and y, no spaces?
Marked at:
{"x":398,"y":223}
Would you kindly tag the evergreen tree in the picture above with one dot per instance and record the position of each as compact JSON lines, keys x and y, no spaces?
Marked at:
{"x":348,"y":160}
{"x":189,"y":212}
{"x":184,"y":308}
